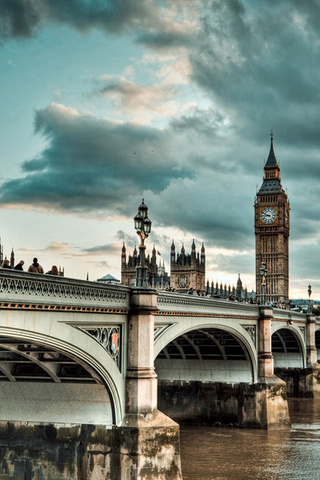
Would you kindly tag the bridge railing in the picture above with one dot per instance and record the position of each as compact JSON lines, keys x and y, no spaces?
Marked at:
{"x":40,"y":291}
{"x":169,"y":302}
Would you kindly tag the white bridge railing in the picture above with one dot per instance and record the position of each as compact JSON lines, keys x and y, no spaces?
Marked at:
{"x":32,"y":290}
{"x":169,"y":302}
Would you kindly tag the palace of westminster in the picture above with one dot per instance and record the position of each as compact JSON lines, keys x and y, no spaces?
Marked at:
{"x":272,"y":227}
{"x":188,"y":270}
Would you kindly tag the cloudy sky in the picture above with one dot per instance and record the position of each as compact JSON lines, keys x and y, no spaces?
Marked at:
{"x":104,"y":102}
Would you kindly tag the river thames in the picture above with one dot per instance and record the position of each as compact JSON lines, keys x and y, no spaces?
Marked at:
{"x":240,"y":454}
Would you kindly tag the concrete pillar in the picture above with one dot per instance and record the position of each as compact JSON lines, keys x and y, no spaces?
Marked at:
{"x":269,"y":406}
{"x":265,"y":357}
{"x":141,"y":380}
{"x":150,"y":441}
{"x":311,"y":341}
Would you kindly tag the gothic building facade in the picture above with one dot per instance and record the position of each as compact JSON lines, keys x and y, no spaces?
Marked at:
{"x":157,"y":275}
{"x":272,"y":228}
{"x":230,"y":292}
{"x":2,"y":258}
{"x":188,"y":271}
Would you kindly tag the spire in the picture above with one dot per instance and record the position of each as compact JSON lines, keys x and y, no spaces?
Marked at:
{"x":272,"y":161}
{"x":271,"y":176}
{"x":124,"y":248}
{"x":12,"y":258}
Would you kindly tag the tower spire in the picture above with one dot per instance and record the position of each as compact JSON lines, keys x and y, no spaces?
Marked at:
{"x":272,"y":161}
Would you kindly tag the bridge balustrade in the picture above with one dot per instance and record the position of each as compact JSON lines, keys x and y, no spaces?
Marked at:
{"x":40,"y":291}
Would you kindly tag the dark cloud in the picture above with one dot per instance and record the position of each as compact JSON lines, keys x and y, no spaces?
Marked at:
{"x":91,"y":164}
{"x":19,"y":18}
{"x":164,"y":40}
{"x":103,"y":249}
{"x":22,"y":18}
{"x":259,"y":63}
{"x":203,"y":123}
{"x":144,"y":18}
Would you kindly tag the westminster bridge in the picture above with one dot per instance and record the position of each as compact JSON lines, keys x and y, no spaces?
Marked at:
{"x":84,"y":367}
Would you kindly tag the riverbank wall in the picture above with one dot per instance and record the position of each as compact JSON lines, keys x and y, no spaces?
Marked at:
{"x":301,"y":382}
{"x":259,"y":405}
{"x":89,"y":452}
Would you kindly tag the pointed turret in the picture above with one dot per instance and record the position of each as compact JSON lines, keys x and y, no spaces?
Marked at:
{"x":173,"y":253}
{"x":271,"y":175}
{"x":154,"y":260}
{"x":239,"y":287}
{"x":12,"y":258}
{"x":272,"y":161}
{"x":193,"y":252}
{"x":183,"y":255}
{"x":124,"y":254}
{"x":203,"y":254}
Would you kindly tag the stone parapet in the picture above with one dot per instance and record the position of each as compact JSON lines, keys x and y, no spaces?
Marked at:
{"x":31,"y":290}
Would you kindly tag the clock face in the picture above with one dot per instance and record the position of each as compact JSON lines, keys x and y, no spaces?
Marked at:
{"x":268,"y":215}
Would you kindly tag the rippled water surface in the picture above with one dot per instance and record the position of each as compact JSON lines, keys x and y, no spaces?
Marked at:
{"x":231,"y":453}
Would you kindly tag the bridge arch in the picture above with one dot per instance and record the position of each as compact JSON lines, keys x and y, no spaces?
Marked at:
{"x":206,"y":352}
{"x":288,"y":347}
{"x":96,"y":398}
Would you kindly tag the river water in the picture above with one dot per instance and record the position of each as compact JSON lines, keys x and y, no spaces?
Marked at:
{"x":243,"y":454}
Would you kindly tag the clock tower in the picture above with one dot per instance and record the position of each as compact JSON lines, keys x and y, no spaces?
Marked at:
{"x":272,"y":227}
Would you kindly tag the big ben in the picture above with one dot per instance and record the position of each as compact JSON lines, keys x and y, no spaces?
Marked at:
{"x":272,"y":228}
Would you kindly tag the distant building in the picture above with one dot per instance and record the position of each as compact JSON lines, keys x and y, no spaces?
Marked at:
{"x":187,"y":274}
{"x":109,"y":280}
{"x":5,"y":258}
{"x":157,"y":275}
{"x":302,"y":305}
{"x":188,"y":271}
{"x":235,"y":292}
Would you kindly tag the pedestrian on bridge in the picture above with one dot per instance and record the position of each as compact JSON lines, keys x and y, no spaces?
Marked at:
{"x":35,"y":267}
{"x":19,"y":265}
{"x":53,"y":271}
{"x":5,"y":264}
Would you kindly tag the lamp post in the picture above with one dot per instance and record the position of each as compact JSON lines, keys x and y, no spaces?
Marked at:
{"x":142,"y":224}
{"x":309,"y":301}
{"x":263,"y":274}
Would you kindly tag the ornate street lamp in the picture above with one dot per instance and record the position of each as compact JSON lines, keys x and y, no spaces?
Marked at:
{"x":143,"y":226}
{"x":309,"y":301}
{"x":263,"y":274}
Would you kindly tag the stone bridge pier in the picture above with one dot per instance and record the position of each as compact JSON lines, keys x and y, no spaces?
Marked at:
{"x":271,"y":406}
{"x":304,"y":380}
{"x":151,"y":445}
